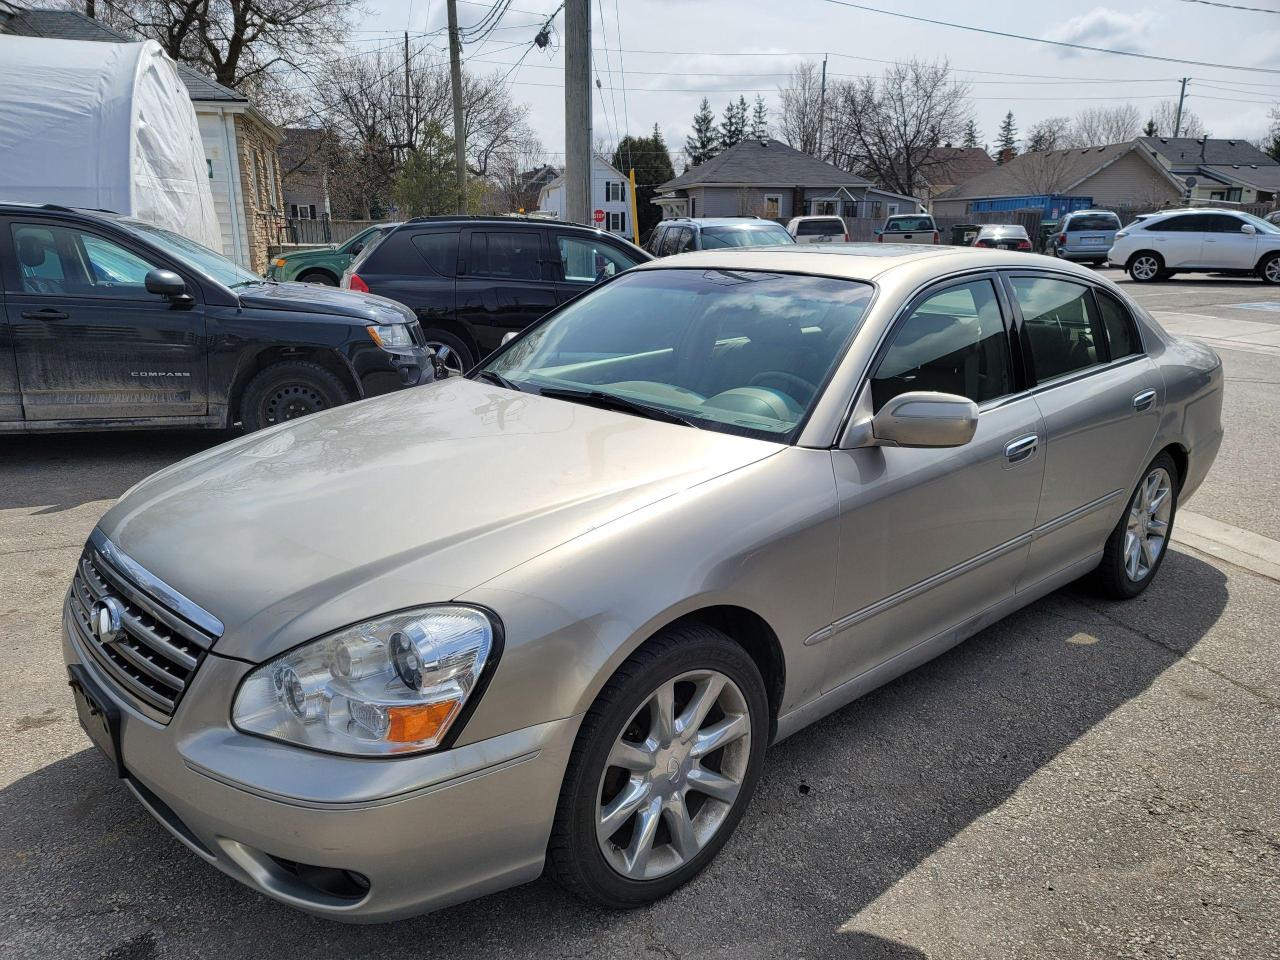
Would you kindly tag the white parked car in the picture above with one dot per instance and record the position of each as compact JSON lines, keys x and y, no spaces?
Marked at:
{"x":909,"y":228}
{"x":1198,"y":240}
{"x":825,"y":229}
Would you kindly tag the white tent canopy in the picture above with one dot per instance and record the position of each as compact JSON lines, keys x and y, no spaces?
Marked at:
{"x":106,"y":126}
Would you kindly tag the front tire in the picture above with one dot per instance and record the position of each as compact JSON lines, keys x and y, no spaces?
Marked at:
{"x":1269,"y":269}
{"x":288,"y":390}
{"x":1145,"y":267}
{"x":1137,"y":546}
{"x":319,"y":277}
{"x":451,"y":351}
{"x":663,"y":767}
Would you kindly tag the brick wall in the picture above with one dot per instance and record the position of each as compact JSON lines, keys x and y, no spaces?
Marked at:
{"x":259,"y":185}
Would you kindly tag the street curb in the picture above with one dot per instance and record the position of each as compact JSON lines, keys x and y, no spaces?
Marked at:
{"x":1242,"y":548}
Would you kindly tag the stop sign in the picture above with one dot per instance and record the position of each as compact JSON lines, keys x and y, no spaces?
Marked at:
{"x":599,"y":216}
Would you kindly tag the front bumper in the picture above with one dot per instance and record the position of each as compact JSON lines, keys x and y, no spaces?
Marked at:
{"x":385,"y":371}
{"x":419,"y":832}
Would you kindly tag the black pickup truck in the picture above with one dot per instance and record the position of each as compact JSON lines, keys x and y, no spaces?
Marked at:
{"x":108,"y":322}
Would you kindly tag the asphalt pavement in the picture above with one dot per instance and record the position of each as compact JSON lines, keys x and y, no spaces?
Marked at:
{"x":1084,"y":779}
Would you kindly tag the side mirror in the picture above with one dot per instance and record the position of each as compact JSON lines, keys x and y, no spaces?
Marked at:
{"x":357,"y":248}
{"x":508,"y":337}
{"x":165,"y":283}
{"x":925,"y":419}
{"x":879,"y":230}
{"x":1248,"y":228}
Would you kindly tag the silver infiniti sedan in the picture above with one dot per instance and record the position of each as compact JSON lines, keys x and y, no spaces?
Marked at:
{"x":549,"y":616}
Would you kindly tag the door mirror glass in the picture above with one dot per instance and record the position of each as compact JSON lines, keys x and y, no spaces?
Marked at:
{"x":165,"y":283}
{"x":925,"y":419}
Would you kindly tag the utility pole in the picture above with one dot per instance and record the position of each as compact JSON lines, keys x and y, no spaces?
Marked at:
{"x":577,"y":110}
{"x":1177,"y":122}
{"x":822,"y":105}
{"x":459,"y":134}
{"x":408,"y":104}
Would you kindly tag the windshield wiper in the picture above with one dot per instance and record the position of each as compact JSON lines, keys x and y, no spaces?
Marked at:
{"x":609,"y":401}
{"x":492,"y":377}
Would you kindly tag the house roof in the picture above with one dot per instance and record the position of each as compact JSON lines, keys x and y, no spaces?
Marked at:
{"x":1260,"y":177}
{"x":73,"y":25}
{"x":769,"y":162}
{"x":955,"y":165}
{"x":1015,"y":177}
{"x":1186,"y":151}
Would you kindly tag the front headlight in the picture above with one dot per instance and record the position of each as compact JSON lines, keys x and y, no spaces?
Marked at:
{"x":387,"y":686}
{"x":391,"y":335}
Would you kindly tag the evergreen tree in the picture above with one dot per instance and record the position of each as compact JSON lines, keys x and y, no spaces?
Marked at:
{"x":1151,"y":130}
{"x":1271,"y":143}
{"x":759,"y":120}
{"x":1007,"y":141}
{"x":971,"y":135}
{"x":703,"y":143}
{"x":733,"y":128}
{"x":427,"y":182}
{"x":652,"y":163}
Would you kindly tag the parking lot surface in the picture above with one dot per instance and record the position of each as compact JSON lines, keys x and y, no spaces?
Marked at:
{"x":1084,"y":779}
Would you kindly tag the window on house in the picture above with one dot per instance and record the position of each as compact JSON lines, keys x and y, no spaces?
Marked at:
{"x":825,"y":208}
{"x":1234,"y":194}
{"x":615,"y":191}
{"x":772,"y":206}
{"x":617,"y":222}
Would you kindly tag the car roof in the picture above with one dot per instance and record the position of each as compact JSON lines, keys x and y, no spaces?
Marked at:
{"x":861,"y":261}
{"x":720,"y":221}
{"x":1001,"y":226}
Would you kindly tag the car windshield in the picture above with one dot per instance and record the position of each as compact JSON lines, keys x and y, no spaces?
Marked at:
{"x":737,"y":351}
{"x":1262,"y":226}
{"x":211,"y":264}
{"x":1093,"y":221}
{"x":363,"y":237}
{"x":908,"y":224}
{"x":744,"y":236}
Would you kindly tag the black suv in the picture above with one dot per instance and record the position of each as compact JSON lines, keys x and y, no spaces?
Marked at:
{"x":106,"y":321}
{"x":473,"y":280}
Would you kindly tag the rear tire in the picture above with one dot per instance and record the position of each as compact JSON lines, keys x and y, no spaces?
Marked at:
{"x":288,"y":390}
{"x":318,"y":277}
{"x":625,"y":769}
{"x":1145,"y":267}
{"x":1269,"y":269}
{"x":1138,"y":544}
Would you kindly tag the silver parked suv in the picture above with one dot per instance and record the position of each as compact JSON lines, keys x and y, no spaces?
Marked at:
{"x":686,"y":234}
{"x":687,"y":513}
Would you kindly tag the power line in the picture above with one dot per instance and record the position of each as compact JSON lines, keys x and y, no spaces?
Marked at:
{"x":1232,"y":6}
{"x":626,"y":118}
{"x":613,"y":97}
{"x":1055,"y":43}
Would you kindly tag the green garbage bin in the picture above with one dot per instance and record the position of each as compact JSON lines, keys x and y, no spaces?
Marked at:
{"x":963,"y":234}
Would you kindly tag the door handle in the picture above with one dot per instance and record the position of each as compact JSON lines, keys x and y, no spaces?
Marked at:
{"x":48,"y":313}
{"x":1143,"y":400}
{"x":1023,"y":448}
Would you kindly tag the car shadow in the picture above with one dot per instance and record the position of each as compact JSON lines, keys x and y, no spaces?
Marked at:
{"x":59,"y":471}
{"x":844,"y":810}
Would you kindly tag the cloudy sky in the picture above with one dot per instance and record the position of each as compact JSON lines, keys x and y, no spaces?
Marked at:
{"x":674,"y":52}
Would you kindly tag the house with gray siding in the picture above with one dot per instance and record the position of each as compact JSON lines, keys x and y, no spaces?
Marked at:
{"x":1116,"y":175}
{"x":767,"y":178}
{"x":1230,"y":171}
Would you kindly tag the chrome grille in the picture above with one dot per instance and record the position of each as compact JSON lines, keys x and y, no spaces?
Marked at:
{"x":157,"y":651}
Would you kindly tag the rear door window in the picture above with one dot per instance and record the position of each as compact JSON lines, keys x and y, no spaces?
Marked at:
{"x":440,"y":250}
{"x":506,"y":256}
{"x":683,"y":240}
{"x":1122,"y":334}
{"x":1058,"y":325}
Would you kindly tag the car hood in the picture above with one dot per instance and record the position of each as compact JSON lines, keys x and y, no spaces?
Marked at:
{"x":306,"y":256}
{"x":411,"y":498}
{"x":330,"y":301}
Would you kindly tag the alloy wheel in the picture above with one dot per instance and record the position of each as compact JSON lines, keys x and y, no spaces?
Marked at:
{"x":673,"y":775}
{"x":1145,"y":268}
{"x":1272,"y":270}
{"x":448,"y":356}
{"x":1147,"y":531}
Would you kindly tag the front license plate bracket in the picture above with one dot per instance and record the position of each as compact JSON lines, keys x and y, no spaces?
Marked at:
{"x":99,"y":717}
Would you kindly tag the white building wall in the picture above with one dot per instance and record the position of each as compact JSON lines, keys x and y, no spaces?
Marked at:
{"x":551,"y":199}
{"x":217,"y":131}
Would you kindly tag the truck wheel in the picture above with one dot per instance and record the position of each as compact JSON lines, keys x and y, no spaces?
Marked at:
{"x":451,"y":351}
{"x":288,"y":390}
{"x":664,"y":764}
{"x":320,"y":277}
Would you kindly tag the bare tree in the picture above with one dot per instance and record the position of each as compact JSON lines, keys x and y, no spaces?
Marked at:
{"x":1048,"y":134}
{"x":888,"y":128}
{"x":1165,"y":113}
{"x":1045,"y":171}
{"x":1098,"y":126}
{"x":800,"y":98}
{"x":238,"y":41}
